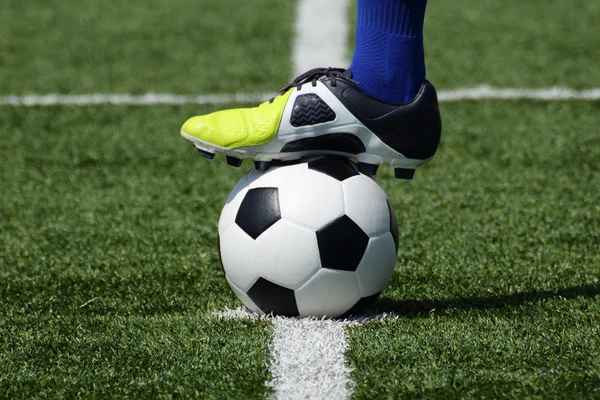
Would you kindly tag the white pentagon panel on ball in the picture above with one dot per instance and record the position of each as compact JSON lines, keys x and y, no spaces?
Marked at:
{"x":238,"y":253}
{"x":377,"y":266}
{"x":311,"y":199}
{"x":274,"y":176}
{"x":366,"y":204}
{"x":243,"y":297}
{"x":329,"y":293}
{"x":286,"y":254}
{"x":232,"y":204}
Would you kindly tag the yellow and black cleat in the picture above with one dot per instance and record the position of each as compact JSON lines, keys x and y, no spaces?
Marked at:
{"x":323,"y":112}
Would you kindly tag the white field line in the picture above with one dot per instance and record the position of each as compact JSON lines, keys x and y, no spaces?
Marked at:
{"x":477,"y":93}
{"x":146,"y":99}
{"x":308,"y":360}
{"x":321,"y":33}
{"x":485,"y":92}
{"x":307,"y":356}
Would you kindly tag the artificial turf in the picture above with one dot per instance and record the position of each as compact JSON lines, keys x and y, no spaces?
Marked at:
{"x":108,"y":263}
{"x":113,"y":46}
{"x":110,"y":272}
{"x":498,"y":279}
{"x":108,"y":202}
{"x":164,"y":356}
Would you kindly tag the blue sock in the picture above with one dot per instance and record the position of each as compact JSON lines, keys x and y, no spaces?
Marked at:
{"x":389,"y":59}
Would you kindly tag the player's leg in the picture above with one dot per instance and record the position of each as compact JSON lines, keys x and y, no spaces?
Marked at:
{"x":389,"y":58}
{"x":381,"y":111}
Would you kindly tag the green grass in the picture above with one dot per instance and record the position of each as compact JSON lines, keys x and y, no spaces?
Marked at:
{"x":512,"y":201}
{"x":163,"y":356}
{"x":542,"y":349}
{"x":109,"y":263}
{"x":109,"y":270}
{"x":498,"y":280}
{"x":111,"y":46}
{"x":108,"y":202}
{"x":513,"y":44}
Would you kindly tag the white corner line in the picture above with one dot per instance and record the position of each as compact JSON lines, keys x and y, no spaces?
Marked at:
{"x":478,"y":93}
{"x":307,"y":355}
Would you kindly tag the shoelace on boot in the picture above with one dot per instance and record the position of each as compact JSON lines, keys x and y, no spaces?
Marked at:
{"x":314,"y":75}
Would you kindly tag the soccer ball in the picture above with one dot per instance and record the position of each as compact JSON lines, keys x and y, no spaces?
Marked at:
{"x":314,"y":238}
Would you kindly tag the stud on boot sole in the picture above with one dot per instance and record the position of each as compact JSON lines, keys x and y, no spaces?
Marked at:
{"x":233,"y":161}
{"x":262,"y":165}
{"x":206,"y":154}
{"x":404,"y":173}
{"x":367,"y":169}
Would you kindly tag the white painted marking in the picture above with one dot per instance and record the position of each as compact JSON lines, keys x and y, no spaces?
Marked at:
{"x":308,"y":355}
{"x":308,"y":359}
{"x":149,"y":99}
{"x":321,"y":35}
{"x":485,"y":92}
{"x":130,"y":99}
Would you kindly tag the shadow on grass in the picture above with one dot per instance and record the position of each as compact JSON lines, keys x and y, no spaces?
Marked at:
{"x":420,"y":308}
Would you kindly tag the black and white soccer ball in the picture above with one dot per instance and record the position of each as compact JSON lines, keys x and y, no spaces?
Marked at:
{"x":315,"y":238}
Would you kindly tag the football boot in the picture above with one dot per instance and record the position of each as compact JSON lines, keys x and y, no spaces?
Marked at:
{"x":324,"y":112}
